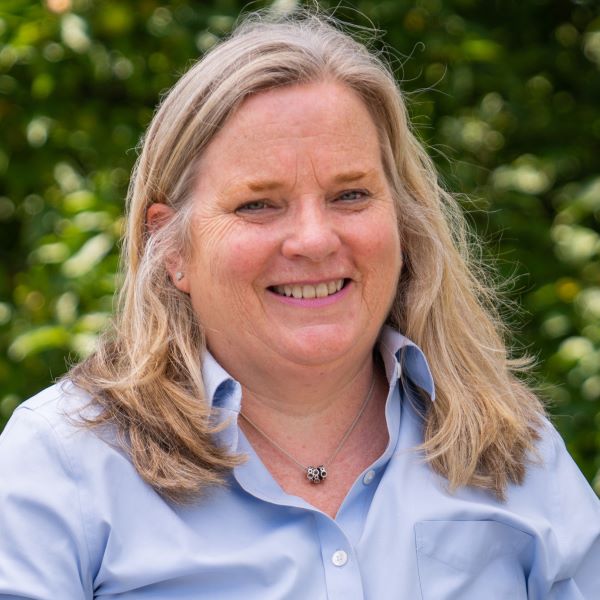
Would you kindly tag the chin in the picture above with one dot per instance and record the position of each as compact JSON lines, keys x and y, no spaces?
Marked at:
{"x":320,"y":344}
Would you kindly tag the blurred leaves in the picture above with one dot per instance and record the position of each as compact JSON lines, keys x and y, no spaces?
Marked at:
{"x":505,"y":95}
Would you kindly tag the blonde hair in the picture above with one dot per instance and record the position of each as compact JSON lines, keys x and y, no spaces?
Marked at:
{"x":145,"y":375}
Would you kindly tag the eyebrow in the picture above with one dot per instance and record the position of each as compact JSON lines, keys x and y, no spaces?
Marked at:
{"x":262,"y":186}
{"x":272,"y":184}
{"x":351,"y":176}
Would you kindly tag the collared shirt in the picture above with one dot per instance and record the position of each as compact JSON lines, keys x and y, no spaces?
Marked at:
{"x":77,"y":522}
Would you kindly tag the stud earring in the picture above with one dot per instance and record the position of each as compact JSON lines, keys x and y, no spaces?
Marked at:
{"x":179,"y":276}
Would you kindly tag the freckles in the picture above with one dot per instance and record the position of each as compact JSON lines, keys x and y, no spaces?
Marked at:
{"x":244,"y":258}
{"x":382,"y":239}
{"x":382,"y":248}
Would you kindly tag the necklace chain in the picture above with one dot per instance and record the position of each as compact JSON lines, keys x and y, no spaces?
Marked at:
{"x":317,"y":474}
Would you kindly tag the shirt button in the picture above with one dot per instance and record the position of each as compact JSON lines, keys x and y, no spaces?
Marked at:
{"x":369,"y":476}
{"x":339,"y":558}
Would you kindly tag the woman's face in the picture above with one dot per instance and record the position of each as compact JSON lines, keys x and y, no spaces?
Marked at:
{"x":296,"y":253}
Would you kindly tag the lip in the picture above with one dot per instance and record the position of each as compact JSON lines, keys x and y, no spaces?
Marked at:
{"x":313,"y":302}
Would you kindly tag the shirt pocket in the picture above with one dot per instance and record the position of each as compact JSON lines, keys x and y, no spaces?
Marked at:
{"x":471,"y":560}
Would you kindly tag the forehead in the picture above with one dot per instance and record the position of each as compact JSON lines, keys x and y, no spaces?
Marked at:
{"x":325,"y":126}
{"x":305,"y":108}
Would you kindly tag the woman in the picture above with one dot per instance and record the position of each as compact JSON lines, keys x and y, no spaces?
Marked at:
{"x":256,"y":426}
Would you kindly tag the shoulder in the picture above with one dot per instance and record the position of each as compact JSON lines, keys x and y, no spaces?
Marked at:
{"x":555,"y":465}
{"x":52,"y":423}
{"x":52,"y":470}
{"x":550,"y":467}
{"x":556,"y":502}
{"x":58,"y":401}
{"x":550,"y":456}
{"x":62,"y":407}
{"x":544,"y":501}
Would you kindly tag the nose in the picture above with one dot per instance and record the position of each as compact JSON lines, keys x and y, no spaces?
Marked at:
{"x":311,"y":232}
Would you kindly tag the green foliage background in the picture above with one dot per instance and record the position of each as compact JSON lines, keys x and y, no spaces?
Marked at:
{"x":505,"y":94}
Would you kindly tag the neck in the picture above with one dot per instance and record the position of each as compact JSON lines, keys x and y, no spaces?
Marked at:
{"x":304,"y":392}
{"x":295,"y":388}
{"x":332,"y":440}
{"x":311,"y":423}
{"x":305,"y":408}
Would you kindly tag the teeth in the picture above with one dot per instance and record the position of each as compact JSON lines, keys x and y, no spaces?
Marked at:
{"x":309,"y":291}
{"x":322,"y":290}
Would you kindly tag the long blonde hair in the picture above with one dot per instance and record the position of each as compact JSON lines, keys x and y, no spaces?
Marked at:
{"x":145,"y":376}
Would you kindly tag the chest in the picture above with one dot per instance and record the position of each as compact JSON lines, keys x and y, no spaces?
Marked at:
{"x":328,"y":495}
{"x":385,"y":543}
{"x":366,"y":444}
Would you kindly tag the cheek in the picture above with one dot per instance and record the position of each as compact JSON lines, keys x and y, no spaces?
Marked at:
{"x":383,"y":246}
{"x":216,"y":249}
{"x":233,"y":259}
{"x":383,"y":265}
{"x":243,"y":257}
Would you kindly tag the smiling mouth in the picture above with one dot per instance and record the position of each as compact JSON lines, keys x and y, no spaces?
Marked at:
{"x":321,"y":290}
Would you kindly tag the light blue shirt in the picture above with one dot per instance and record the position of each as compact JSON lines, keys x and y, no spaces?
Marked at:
{"x":77,"y":522}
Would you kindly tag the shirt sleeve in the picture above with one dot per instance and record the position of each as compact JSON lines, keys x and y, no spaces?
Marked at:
{"x":43,"y":552}
{"x":575,"y":567}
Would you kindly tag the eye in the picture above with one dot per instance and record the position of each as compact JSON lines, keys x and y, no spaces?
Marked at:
{"x":353,"y":195}
{"x":252,"y":207}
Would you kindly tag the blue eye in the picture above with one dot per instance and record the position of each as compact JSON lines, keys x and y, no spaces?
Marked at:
{"x":353,"y":195}
{"x":253,"y":206}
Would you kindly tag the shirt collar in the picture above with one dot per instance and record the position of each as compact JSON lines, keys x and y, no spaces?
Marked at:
{"x":219,"y":387}
{"x":401,"y":358}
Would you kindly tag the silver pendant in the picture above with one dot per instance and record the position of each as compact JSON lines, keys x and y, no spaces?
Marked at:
{"x":316,"y":474}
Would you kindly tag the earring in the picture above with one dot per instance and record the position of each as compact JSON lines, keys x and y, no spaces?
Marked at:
{"x":179,"y":276}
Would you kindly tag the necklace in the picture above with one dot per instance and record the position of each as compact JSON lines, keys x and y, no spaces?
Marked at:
{"x":318,"y":474}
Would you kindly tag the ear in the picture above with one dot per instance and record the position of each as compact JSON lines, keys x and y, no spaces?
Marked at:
{"x":157,"y":216}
